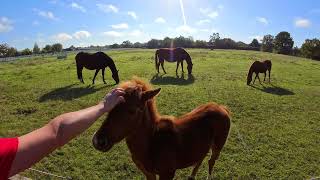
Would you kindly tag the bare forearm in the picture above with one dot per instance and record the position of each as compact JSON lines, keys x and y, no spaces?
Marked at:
{"x":69,"y":125}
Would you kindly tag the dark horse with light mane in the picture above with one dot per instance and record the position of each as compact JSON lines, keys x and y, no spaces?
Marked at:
{"x":160,"y":145}
{"x":96,"y":61}
{"x":259,"y":67}
{"x":172,"y":55}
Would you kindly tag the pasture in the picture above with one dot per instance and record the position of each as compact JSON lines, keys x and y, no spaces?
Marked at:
{"x":275,"y":127}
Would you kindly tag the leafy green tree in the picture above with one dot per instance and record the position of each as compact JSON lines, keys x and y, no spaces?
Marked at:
{"x":47,"y":49}
{"x":311,"y":49}
{"x":4,"y":50}
{"x":283,"y":43}
{"x":57,"y":47}
{"x":213,"y":39}
{"x":267,"y":43}
{"x":255,"y":43}
{"x":12,"y":52}
{"x":115,"y":45}
{"x":26,"y":51}
{"x":126,"y":44}
{"x":36,"y":49}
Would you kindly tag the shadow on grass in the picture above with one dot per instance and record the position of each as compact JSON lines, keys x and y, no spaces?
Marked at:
{"x":178,"y":80}
{"x":274,"y":90}
{"x":69,"y":92}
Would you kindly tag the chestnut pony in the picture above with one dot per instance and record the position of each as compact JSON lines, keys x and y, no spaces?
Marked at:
{"x":259,"y":67}
{"x":160,"y":145}
{"x":172,"y":55}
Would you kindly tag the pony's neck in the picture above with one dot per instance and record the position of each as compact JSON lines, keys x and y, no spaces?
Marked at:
{"x":112,"y":67}
{"x":188,"y":60}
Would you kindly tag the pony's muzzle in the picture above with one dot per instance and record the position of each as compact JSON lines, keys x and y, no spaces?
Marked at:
{"x":100,"y":144}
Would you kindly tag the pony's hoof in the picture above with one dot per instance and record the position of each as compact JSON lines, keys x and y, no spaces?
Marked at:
{"x":191,"y":178}
{"x":209,"y":177}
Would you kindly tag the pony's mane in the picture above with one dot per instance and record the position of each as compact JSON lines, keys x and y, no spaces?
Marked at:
{"x":137,"y":82}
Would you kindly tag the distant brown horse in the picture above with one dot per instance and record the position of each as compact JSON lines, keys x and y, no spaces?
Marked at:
{"x":96,"y":62}
{"x":173,"y":55}
{"x":162,"y":144}
{"x":259,"y":67}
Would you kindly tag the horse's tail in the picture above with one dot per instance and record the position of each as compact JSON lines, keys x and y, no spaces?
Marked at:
{"x":250,"y":72}
{"x":156,"y":58}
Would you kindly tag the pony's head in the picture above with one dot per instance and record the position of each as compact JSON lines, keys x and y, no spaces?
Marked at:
{"x":115,"y":76}
{"x":125,"y":118}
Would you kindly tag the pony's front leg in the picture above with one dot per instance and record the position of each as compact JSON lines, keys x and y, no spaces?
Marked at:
{"x":103,"y":75}
{"x":95,"y":74}
{"x":149,"y":175}
{"x":177,"y":67}
{"x":167,"y":175}
{"x":265,"y":74}
{"x":182,"y":66}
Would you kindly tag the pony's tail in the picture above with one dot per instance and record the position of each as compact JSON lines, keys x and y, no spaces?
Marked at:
{"x":156,"y":59}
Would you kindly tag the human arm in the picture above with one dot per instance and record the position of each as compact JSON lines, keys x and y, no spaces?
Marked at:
{"x":39,"y":143}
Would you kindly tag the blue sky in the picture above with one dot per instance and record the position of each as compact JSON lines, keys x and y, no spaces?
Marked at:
{"x":101,"y":22}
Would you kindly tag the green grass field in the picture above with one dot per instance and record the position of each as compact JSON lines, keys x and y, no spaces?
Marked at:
{"x":275,"y":132}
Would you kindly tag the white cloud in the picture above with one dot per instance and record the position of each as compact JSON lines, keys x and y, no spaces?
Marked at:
{"x":258,"y":37}
{"x":185,"y":29}
{"x":81,"y":34}
{"x":208,"y":12}
{"x":45,"y":14}
{"x":113,"y":34}
{"x":78,"y":7}
{"x":5,"y":24}
{"x":203,"y":21}
{"x":135,"y":33}
{"x":302,"y":23}
{"x":160,"y":20}
{"x":62,"y":37}
{"x":120,"y":26}
{"x":220,"y":6}
{"x":132,"y":14}
{"x":262,"y":20}
{"x":35,"y":23}
{"x":108,"y":8}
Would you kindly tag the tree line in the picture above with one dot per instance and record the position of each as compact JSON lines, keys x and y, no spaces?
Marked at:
{"x":282,"y":43}
{"x":7,"y":51}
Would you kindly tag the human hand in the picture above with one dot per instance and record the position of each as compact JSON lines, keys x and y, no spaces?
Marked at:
{"x":113,"y":98}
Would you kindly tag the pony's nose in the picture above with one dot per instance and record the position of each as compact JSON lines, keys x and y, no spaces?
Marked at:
{"x":99,"y":143}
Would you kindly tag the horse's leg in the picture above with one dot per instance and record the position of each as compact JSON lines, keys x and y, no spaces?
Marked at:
{"x":163,"y":67}
{"x":265,"y":74}
{"x":195,"y":170}
{"x":166,"y":175}
{"x":214,"y":156}
{"x":103,"y":75}
{"x":255,"y":78}
{"x":258,"y":78}
{"x":95,"y":74}
{"x":177,"y":67}
{"x":182,"y":66}
{"x":269,"y":75}
{"x":149,"y":176}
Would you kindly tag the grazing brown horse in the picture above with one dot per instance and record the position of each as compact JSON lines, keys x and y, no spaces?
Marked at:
{"x":259,"y":67}
{"x":172,"y":55}
{"x":96,"y":61}
{"x":160,"y":145}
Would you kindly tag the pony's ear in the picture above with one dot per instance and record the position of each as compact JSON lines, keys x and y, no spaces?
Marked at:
{"x":149,"y":94}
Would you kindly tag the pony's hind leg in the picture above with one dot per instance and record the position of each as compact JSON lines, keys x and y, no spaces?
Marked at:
{"x":269,"y":75}
{"x":214,"y":156}
{"x":195,"y":170}
{"x":182,"y":66}
{"x":103,"y":75}
{"x":177,"y":67}
{"x":265,"y":74}
{"x":163,"y":67}
{"x":95,"y":74}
